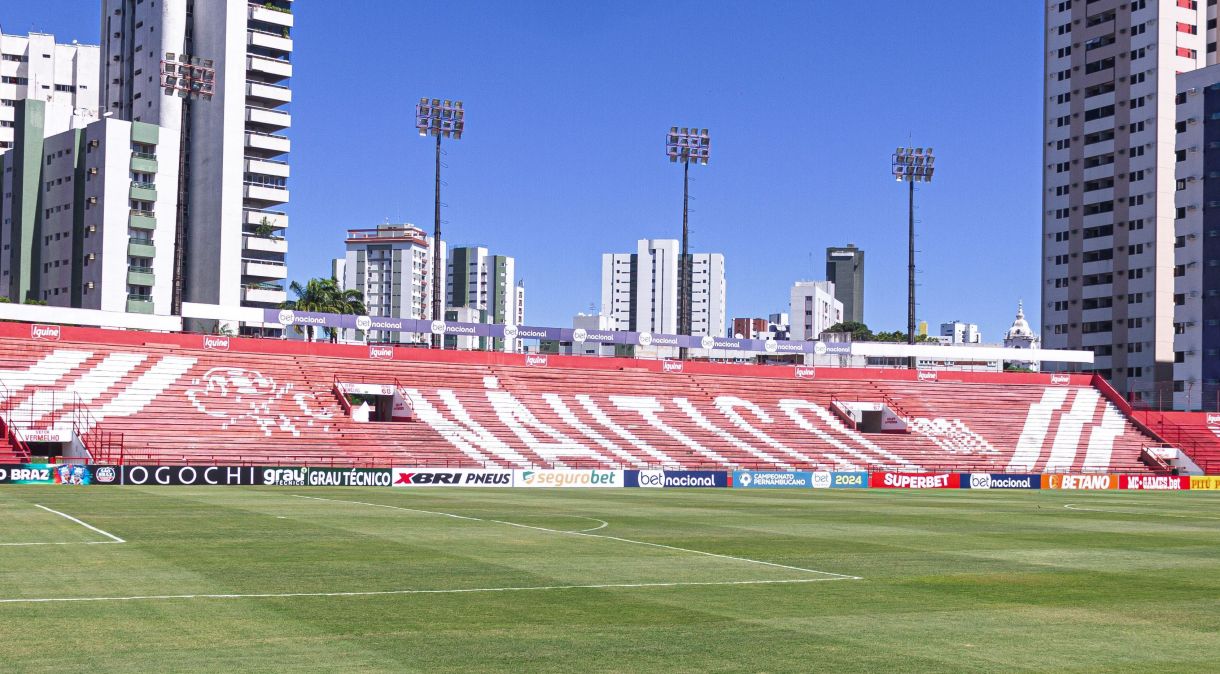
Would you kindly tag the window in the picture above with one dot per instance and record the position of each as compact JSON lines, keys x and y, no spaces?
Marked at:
{"x":1135,"y":298}
{"x":1100,"y":65}
{"x":1097,"y":255}
{"x":1099,"y":184}
{"x":1099,"y":136}
{"x":1090,"y":327}
{"x":1099,"y":89}
{"x":1097,"y":303}
{"x":1099,"y":207}
{"x":1186,"y":53}
{"x":1188,"y":28}
{"x":1099,"y":160}
{"x":1137,"y":151}
{"x":1100,"y":230}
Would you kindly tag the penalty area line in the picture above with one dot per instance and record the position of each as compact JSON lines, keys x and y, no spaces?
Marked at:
{"x":112,"y":537}
{"x":379,"y":593}
{"x":586,"y":534}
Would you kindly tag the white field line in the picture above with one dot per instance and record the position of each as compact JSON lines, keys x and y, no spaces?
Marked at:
{"x":6,"y":545}
{"x":1072,"y":506}
{"x":90,"y":527}
{"x":375,"y":593}
{"x":840,"y":576}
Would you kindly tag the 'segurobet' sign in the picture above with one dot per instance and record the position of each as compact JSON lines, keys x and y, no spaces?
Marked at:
{"x":568,"y":478}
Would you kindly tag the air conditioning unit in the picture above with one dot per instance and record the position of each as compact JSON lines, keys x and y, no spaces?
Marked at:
{"x":89,"y":285}
{"x":92,"y":170}
{"x":93,"y":200}
{"x":91,"y":256}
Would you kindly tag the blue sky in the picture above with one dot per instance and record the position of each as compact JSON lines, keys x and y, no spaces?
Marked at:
{"x":567,"y":106}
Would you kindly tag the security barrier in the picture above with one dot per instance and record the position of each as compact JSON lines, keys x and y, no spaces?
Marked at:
{"x":300,"y":476}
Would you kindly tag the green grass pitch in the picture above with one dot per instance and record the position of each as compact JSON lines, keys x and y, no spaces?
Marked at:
{"x":677,"y":580}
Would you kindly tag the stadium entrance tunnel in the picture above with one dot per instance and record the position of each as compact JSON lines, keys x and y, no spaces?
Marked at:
{"x":371,"y":402}
{"x":870,"y":417}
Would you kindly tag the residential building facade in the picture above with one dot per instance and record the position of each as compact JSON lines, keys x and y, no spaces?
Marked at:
{"x":957,"y":332}
{"x":35,"y":67}
{"x":391,"y":265}
{"x":1109,"y":208}
{"x":813,"y":309}
{"x":845,"y":268}
{"x":640,"y":289}
{"x":79,"y":209}
{"x":215,"y":72}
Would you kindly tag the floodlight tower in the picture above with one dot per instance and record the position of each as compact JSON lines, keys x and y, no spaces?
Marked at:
{"x":912,"y":165}
{"x":686,"y":145}
{"x":443,"y":119}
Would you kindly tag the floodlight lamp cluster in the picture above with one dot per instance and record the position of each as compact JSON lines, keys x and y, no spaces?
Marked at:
{"x":187,"y":76}
{"x":913,"y":164}
{"x":434,"y":117}
{"x":688,"y":145}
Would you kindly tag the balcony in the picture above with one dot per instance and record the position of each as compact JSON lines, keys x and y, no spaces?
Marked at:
{"x":261,"y":13}
{"x":266,"y":193}
{"x":272,"y":41}
{"x":266,"y":142}
{"x":268,"y":269}
{"x":276,"y":219}
{"x":273,"y":94}
{"x":141,"y":248}
{"x":273,"y":69}
{"x":139,"y":304}
{"x":142,"y":220}
{"x":139,"y":276}
{"x":143,"y":191}
{"x":143,"y":163}
{"x":265,"y":244}
{"x":263,"y":294}
{"x":274,"y":119}
{"x":268,"y":167}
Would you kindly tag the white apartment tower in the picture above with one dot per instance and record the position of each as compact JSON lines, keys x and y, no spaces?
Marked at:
{"x":640,"y":289}
{"x":37,"y":68}
{"x":1108,"y":197}
{"x":813,"y":309}
{"x":484,"y":282}
{"x":391,"y":266}
{"x":214,"y":71}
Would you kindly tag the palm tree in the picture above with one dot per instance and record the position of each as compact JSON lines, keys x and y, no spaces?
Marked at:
{"x":323,"y":295}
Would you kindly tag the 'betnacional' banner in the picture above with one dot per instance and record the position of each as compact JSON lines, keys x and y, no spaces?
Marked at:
{"x":1000,"y":481}
{"x":675,"y":479}
{"x":915,"y":480}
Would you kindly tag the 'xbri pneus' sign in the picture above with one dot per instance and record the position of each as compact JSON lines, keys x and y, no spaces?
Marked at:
{"x":915,"y":480}
{"x":327,"y":477}
{"x":1001,"y":481}
{"x":451,"y":477}
{"x":671,"y":479}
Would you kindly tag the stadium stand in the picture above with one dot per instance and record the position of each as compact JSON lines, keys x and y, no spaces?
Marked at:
{"x":178,"y":398}
{"x":1195,"y":433}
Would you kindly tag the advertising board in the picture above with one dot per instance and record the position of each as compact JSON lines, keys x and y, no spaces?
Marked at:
{"x":599,"y":479}
{"x":1207,"y":482}
{"x":1080,"y":482}
{"x":451,"y":477}
{"x":1158,"y":482}
{"x":674,"y":479}
{"x":772,"y":479}
{"x":1000,"y":481}
{"x":915,"y":480}
{"x":190,"y":475}
{"x":326,"y":477}
{"x":848,"y":480}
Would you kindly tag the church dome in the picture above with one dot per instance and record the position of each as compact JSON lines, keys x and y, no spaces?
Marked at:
{"x":1020,"y":327}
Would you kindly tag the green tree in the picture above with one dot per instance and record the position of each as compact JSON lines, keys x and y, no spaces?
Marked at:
{"x":323,"y":295}
{"x":859,"y":331}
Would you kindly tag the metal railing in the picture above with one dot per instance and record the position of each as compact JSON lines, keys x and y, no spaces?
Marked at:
{"x":143,"y":155}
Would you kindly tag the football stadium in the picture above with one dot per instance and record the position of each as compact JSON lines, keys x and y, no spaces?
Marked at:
{"x":274,"y":396}
{"x":213,"y":505}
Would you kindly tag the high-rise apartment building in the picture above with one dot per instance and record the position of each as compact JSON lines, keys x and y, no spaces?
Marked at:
{"x":79,"y":207}
{"x":484,"y":282}
{"x":640,"y":289}
{"x":813,"y":309}
{"x":35,"y":67}
{"x":845,"y":269}
{"x":957,"y":332}
{"x":1196,"y":248}
{"x":1109,"y":152}
{"x":214,"y":72}
{"x":391,"y":266}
